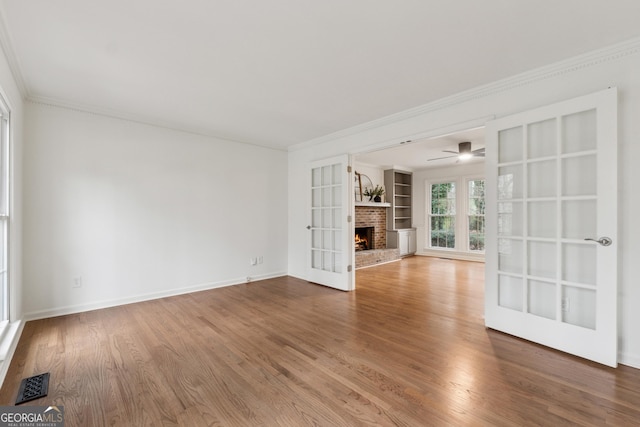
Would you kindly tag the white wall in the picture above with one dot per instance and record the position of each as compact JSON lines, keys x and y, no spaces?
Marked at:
{"x":618,"y":66}
{"x":138,"y":211}
{"x":375,"y":173}
{"x":420,"y":178}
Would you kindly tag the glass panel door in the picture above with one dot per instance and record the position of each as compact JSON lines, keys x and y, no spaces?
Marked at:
{"x":331,"y":239}
{"x":553,"y":189}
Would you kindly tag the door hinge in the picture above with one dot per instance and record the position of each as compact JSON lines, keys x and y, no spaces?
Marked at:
{"x":349,"y":268}
{"x":348,"y":218}
{"x":349,"y":169}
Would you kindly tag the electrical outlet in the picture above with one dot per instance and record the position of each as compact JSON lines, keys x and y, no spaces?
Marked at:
{"x":248,"y":279}
{"x":566,"y":306}
{"x":77,"y":282}
{"x":253,"y":261}
{"x":260,"y":260}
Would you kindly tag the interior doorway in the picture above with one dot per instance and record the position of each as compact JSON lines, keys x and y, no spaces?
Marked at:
{"x":456,"y":156}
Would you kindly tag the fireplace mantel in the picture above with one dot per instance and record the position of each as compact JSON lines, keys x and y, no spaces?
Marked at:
{"x":373,"y":204}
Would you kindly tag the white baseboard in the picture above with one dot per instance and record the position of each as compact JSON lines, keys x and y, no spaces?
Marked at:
{"x":462,"y":256}
{"x":72,"y":309}
{"x":630,"y":360}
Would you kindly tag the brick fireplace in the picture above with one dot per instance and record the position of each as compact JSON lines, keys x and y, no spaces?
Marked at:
{"x":375,"y":217}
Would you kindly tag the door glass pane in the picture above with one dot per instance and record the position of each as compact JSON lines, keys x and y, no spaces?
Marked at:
{"x":337,"y":263}
{"x":337,"y":217}
{"x":542,"y":299}
{"x":542,"y":179}
{"x":542,"y":259}
{"x":326,"y":218}
{"x":510,"y":182}
{"x":326,"y":197}
{"x":579,"y":219}
{"x":510,"y":255}
{"x":326,"y":240}
{"x":337,"y":240}
{"x":316,"y":177}
{"x":579,"y":263}
{"x":510,"y":219}
{"x":327,"y":258}
{"x":316,"y":259}
{"x":316,"y":218}
{"x":579,"y":306}
{"x":579,"y":132}
{"x":327,"y":175}
{"x":316,"y":196}
{"x":337,"y":174}
{"x":510,"y":292}
{"x":510,"y":145}
{"x":542,"y":138}
{"x":542,"y":219}
{"x":316,"y":239}
{"x":579,"y":176}
{"x":337,"y":196}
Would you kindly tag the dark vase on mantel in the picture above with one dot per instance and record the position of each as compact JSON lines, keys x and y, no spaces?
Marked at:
{"x":377,"y":199}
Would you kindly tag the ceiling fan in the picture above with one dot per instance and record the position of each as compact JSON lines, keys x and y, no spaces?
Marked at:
{"x":464,"y":152}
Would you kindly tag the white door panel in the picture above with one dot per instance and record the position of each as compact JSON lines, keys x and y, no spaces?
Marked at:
{"x":554,"y":176}
{"x":330,"y":231}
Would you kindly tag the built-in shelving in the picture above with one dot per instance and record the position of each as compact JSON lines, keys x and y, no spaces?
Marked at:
{"x":398,"y":185}
{"x":400,"y":234}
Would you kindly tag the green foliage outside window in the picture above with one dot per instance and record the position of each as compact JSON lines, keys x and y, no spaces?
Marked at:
{"x":476,"y":215}
{"x":443,"y":211}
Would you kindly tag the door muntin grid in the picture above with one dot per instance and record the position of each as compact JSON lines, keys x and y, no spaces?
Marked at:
{"x":326,"y":218}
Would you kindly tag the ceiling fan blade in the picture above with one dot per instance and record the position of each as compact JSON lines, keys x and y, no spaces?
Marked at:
{"x":440,"y":158}
{"x":449,"y":151}
{"x":479,"y":151}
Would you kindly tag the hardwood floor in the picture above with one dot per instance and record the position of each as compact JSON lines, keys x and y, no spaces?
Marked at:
{"x":408,"y":348}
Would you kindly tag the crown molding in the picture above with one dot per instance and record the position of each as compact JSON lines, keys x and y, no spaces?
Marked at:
{"x":570,"y":65}
{"x":6,"y":42}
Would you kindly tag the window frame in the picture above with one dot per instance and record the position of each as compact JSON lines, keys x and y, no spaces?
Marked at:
{"x":6,"y":188}
{"x":431,"y":215}
{"x":461,"y":247}
{"x":469,"y":215}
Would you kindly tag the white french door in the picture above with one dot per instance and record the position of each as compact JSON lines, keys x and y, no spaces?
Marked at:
{"x":551,"y":232}
{"x":330,"y":227}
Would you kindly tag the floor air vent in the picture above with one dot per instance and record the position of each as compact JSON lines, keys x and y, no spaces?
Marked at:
{"x":33,"y":388}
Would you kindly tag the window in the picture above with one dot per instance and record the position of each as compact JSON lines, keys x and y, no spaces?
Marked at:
{"x":475,"y":215}
{"x":443,"y":215}
{"x":455,"y":208}
{"x":4,"y":213}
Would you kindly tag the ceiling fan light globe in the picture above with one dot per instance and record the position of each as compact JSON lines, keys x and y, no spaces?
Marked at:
{"x":465,"y":156}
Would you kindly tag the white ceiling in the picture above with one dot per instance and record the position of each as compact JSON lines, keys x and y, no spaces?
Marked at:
{"x":416,"y":154}
{"x":281,"y":72}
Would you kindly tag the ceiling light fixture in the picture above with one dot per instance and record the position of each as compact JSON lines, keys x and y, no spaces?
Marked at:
{"x":464,"y":152}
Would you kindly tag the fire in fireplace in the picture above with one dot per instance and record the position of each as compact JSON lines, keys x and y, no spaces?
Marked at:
{"x":364,"y":238}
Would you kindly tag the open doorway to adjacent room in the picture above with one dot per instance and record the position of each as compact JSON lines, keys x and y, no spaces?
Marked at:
{"x":433,"y":200}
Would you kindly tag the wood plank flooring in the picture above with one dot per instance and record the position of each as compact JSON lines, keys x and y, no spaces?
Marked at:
{"x":408,"y":348}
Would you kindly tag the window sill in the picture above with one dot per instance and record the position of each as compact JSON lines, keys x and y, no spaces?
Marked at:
{"x":8,"y":343}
